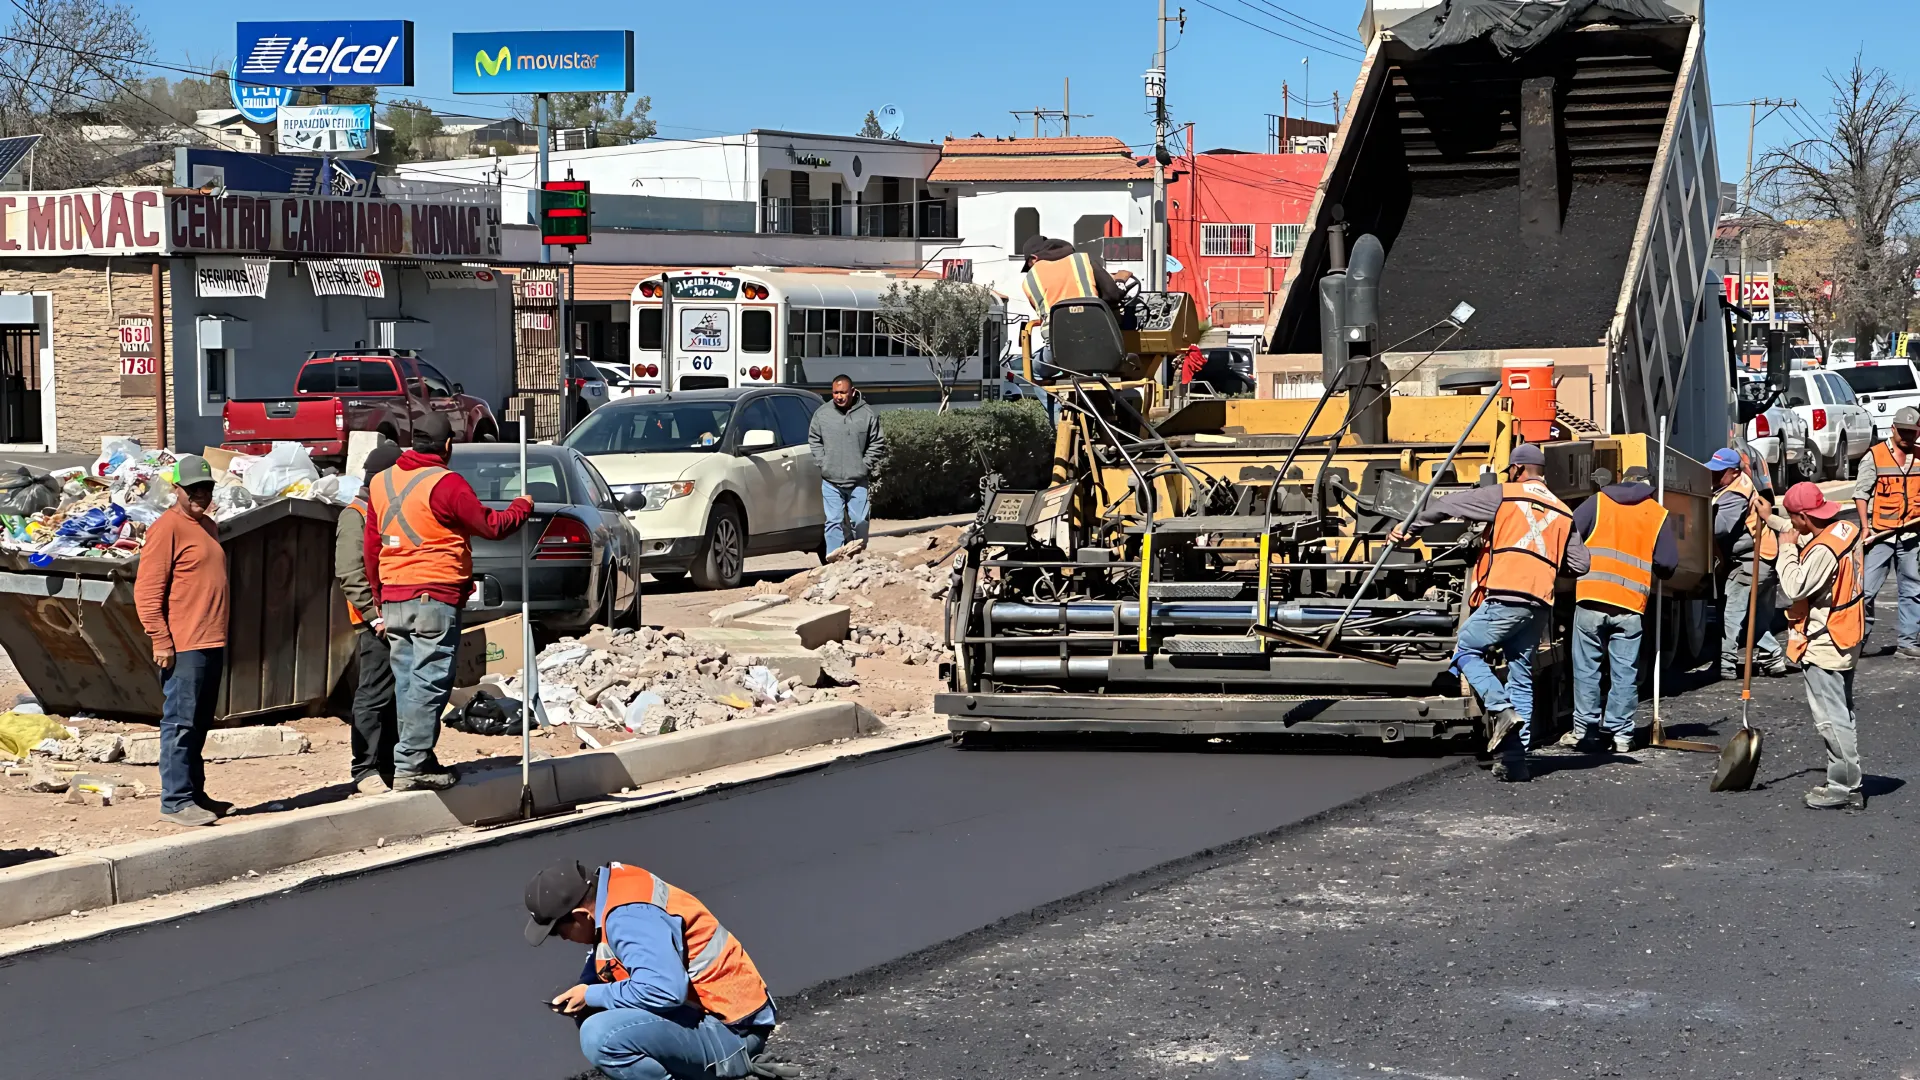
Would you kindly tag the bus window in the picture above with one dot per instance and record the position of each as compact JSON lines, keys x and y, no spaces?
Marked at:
{"x":646,"y":329}
{"x":756,"y":330}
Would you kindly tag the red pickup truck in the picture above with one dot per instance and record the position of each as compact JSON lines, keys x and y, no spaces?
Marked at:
{"x":371,"y":390}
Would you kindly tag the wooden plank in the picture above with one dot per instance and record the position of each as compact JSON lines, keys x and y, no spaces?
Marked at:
{"x":280,"y":552}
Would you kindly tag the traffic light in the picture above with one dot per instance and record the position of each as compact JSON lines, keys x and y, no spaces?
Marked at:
{"x":566,"y":212}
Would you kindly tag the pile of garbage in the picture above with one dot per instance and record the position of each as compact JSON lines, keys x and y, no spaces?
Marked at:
{"x":50,"y":755}
{"x":646,"y":681}
{"x":103,"y":510}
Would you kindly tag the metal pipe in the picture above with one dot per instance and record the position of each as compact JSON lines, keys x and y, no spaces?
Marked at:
{"x":1094,"y":615}
{"x":1077,"y":667}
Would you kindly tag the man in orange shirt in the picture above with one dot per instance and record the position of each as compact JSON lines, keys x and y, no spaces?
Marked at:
{"x":419,"y":558}
{"x":180,"y":591}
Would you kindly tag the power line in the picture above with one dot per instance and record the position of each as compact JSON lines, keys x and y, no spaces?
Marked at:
{"x":1308,"y":26}
{"x":1269,"y":30}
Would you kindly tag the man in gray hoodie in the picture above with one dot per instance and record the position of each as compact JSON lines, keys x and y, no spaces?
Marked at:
{"x":847,"y":447}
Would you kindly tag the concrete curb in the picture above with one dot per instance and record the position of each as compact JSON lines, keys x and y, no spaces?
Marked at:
{"x":146,"y":868}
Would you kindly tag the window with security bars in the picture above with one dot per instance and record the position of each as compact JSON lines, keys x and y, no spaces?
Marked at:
{"x":1286,"y":239}
{"x":1226,"y":239}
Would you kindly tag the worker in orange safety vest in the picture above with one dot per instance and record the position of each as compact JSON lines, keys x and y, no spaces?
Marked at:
{"x":666,"y":991}
{"x":1740,"y":513}
{"x":1631,"y":543}
{"x":1886,"y":492}
{"x":1056,"y":273}
{"x":1530,"y":544}
{"x":1822,"y":573}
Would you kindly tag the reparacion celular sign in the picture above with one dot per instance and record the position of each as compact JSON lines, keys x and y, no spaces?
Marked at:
{"x":312,"y":53}
{"x":543,"y":62}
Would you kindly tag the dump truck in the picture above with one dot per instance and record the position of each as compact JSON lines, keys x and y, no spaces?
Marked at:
{"x":1511,"y":201}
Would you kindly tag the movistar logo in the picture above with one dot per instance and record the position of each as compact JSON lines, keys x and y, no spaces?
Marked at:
{"x":485,"y":65}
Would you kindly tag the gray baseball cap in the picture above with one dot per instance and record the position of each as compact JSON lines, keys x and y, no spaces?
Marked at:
{"x":1907,"y":417}
{"x":191,"y":469}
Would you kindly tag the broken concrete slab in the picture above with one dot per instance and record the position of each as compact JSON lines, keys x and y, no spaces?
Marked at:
{"x":744,"y":640}
{"x":47,"y":888}
{"x":813,"y":624}
{"x":224,"y":744}
{"x":751,"y":606}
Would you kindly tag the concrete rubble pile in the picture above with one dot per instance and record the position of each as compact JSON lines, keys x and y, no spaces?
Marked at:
{"x":103,"y":510}
{"x":650,"y":682}
{"x":857,"y":569}
{"x":909,"y":643}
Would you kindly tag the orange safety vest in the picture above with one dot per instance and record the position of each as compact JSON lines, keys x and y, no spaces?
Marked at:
{"x":358,"y":506}
{"x":1896,"y":489}
{"x":1846,"y":617}
{"x":724,"y":980}
{"x":1056,"y":281}
{"x":1530,"y":533}
{"x":415,"y":547}
{"x":1622,"y":550}
{"x":1757,"y":510}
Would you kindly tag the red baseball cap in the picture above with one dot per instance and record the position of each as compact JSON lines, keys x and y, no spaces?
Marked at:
{"x":1806,"y":498}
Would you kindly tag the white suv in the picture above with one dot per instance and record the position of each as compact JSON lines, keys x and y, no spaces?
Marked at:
{"x":726,"y":475}
{"x":1884,"y":387}
{"x":1839,"y":426}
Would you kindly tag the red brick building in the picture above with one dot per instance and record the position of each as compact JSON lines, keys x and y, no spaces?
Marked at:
{"x":1233,"y":220}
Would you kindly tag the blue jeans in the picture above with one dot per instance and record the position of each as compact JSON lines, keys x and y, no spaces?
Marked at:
{"x":1605,"y":638}
{"x":1515,"y":630}
{"x":1903,"y":556}
{"x":1830,"y":699}
{"x":423,"y":635}
{"x":1733,"y":617}
{"x":635,"y":1044}
{"x":844,"y":500}
{"x":190,"y":690}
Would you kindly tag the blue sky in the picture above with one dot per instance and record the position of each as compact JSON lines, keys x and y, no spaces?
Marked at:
{"x":719,"y":66}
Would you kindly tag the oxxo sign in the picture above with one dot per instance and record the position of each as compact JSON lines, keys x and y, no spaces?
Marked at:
{"x":1753,"y":292}
{"x":311,"y":53}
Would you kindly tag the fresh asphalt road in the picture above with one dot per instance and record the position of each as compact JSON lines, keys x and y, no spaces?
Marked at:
{"x":420,"y":970}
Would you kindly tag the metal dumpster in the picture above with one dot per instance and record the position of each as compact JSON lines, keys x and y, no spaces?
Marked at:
{"x":72,"y":631}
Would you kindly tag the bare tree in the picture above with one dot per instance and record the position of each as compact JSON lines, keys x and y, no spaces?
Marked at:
{"x":1863,"y":174}
{"x":65,"y":65}
{"x":1810,"y":253}
{"x":943,"y":320}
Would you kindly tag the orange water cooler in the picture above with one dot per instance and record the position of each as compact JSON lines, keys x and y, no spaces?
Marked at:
{"x":1529,"y":385}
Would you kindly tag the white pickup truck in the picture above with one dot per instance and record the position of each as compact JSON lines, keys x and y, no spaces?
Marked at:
{"x":1883,"y":387}
{"x":1838,"y":426}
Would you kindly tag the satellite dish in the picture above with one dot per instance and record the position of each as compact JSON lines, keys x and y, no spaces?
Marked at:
{"x":891,"y":120}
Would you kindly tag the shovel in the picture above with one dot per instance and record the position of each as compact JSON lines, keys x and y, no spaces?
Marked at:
{"x":1740,"y":758}
{"x":1658,"y":739}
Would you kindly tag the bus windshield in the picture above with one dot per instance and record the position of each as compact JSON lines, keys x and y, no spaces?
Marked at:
{"x":653,"y":428}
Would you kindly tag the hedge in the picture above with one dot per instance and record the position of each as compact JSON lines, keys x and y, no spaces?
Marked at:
{"x":934,"y":460}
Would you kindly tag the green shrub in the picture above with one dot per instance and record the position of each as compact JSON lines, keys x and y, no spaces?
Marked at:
{"x":935,"y":460}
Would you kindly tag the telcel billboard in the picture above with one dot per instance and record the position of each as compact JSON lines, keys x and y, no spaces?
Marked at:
{"x":543,"y":62}
{"x":358,"y":53}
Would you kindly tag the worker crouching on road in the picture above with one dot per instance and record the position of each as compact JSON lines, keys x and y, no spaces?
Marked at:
{"x":1822,"y":572}
{"x":666,"y":991}
{"x":181,"y":594}
{"x":1530,"y":544}
{"x":420,"y":564}
{"x":1886,"y":491}
{"x":375,"y":725}
{"x":1630,"y":541}
{"x":1739,"y":522}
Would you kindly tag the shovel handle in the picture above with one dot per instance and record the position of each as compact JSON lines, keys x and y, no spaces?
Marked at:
{"x":1753,"y":594}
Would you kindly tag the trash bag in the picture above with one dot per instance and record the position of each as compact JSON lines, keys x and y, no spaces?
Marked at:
{"x":232,"y":498}
{"x":484,"y":715}
{"x":115,"y":451}
{"x":285,"y":467}
{"x":100,"y":525}
{"x":21,"y":732}
{"x":27,"y":491}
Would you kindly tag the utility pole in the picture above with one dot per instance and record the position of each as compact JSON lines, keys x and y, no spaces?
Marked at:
{"x":1157,"y":91}
{"x":1064,"y":114}
{"x":1746,"y":187}
{"x":540,"y":121}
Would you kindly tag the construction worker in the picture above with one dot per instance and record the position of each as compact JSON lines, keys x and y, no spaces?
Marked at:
{"x":1056,"y":273}
{"x":1739,"y":523}
{"x":374,"y":722}
{"x":1886,"y":491}
{"x":419,"y":559}
{"x":1822,"y":572}
{"x":1630,"y":541}
{"x":1532,"y":541}
{"x":666,"y":991}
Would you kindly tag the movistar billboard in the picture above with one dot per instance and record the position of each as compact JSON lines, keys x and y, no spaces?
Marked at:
{"x":543,"y":62}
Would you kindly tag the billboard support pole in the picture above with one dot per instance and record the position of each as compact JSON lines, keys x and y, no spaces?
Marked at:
{"x":326,"y":160}
{"x":540,"y":109}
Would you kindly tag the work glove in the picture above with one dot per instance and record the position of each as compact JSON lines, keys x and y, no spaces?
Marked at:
{"x":772,"y":1070}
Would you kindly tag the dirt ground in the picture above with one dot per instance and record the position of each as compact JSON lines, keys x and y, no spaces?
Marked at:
{"x":36,"y":825}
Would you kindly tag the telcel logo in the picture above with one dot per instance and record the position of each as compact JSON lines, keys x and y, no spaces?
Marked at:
{"x":302,"y":58}
{"x":485,"y":65}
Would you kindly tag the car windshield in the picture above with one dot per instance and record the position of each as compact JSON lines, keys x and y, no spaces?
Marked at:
{"x":496,"y":477}
{"x":1879,"y":378}
{"x":653,"y":428}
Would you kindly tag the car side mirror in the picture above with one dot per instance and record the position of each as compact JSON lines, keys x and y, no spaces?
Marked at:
{"x":633,"y":500}
{"x":758,"y":439}
{"x":1749,"y":408}
{"x":459,"y":388}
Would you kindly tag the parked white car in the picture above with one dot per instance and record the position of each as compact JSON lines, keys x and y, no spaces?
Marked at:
{"x":1768,"y":431}
{"x":1839,"y":426}
{"x":726,"y":474}
{"x":1884,"y":387}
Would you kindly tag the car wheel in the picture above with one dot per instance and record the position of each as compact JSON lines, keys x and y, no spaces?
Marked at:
{"x":1809,"y":468}
{"x":722,"y":559}
{"x":487,"y":434}
{"x":1842,"y":462}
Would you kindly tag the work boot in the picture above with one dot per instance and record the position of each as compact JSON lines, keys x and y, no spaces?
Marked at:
{"x":428,"y":780}
{"x":1623,"y":744}
{"x":1573,"y":738}
{"x":1512,"y":771}
{"x":1777,"y":668}
{"x":1504,"y":722}
{"x":1827,"y":797}
{"x":219,"y":809}
{"x":194,"y":814}
{"x":373,"y":784}
{"x":1910,"y":652}
{"x":1728,"y":674}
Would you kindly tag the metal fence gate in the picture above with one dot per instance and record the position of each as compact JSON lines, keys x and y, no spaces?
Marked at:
{"x":19,"y":384}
